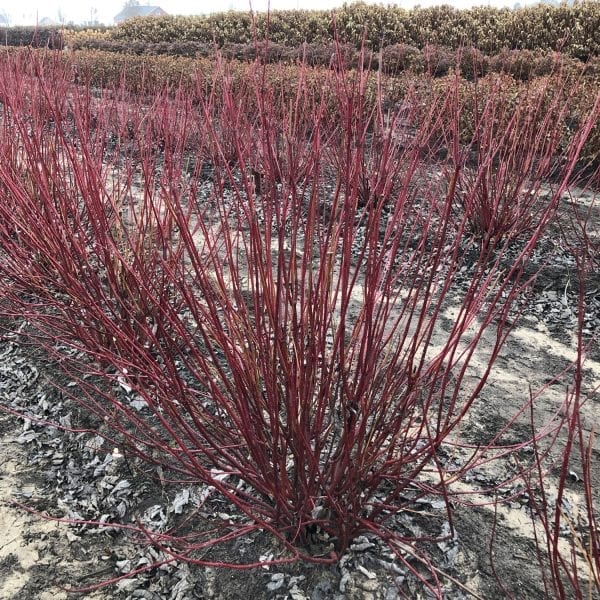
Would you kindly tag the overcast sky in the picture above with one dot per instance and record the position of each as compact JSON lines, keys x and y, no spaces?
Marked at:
{"x":21,"y":12}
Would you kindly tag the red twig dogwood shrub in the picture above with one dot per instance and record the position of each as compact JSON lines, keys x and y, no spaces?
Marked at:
{"x":277,"y":307}
{"x":516,"y":145}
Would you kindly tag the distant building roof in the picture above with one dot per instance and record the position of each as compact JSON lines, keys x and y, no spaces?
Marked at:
{"x":139,"y":11}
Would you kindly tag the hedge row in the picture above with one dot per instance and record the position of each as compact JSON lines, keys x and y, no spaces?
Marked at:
{"x":522,"y":64}
{"x":32,"y":36}
{"x":573,"y":28}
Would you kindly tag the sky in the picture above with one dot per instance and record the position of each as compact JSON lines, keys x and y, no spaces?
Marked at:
{"x":25,"y":12}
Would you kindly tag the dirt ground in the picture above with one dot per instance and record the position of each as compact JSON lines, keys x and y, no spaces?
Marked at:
{"x":492,"y":555}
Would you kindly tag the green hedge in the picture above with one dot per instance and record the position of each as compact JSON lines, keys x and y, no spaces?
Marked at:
{"x":573,"y":28}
